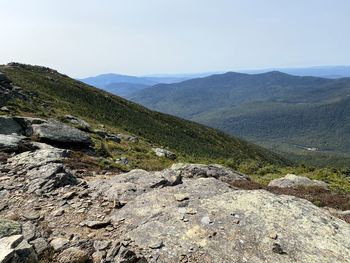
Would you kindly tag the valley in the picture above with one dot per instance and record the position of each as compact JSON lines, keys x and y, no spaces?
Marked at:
{"x":273,"y":109}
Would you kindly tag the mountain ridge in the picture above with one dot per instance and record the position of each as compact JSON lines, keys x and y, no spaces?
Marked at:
{"x":256,"y":106}
{"x":67,"y":96}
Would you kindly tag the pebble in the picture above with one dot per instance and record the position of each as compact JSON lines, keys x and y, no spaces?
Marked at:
{"x":181,"y":197}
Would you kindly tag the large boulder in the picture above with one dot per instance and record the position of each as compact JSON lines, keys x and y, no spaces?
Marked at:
{"x":60,"y":133}
{"x":81,"y":124}
{"x":43,"y":169}
{"x":292,"y":180}
{"x":11,"y":143}
{"x":31,"y":159}
{"x":160,"y":152}
{"x":18,"y":125}
{"x":214,"y":223}
{"x":8,"y":125}
{"x":14,"y":249}
{"x":125,"y":187}
{"x":212,"y":170}
{"x":49,"y":177}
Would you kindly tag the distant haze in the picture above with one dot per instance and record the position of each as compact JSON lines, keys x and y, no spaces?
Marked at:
{"x":88,"y":37}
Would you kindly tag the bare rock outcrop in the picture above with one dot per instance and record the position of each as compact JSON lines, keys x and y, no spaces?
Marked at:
{"x":50,"y":131}
{"x":126,"y":187}
{"x":213,"y":170}
{"x":60,"y":133}
{"x":160,"y":152}
{"x":10,"y":143}
{"x":215,"y":223}
{"x":43,"y":169}
{"x":292,"y":180}
{"x":81,"y":124}
{"x":18,"y":125}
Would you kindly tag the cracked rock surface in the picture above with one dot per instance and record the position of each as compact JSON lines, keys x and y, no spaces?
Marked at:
{"x":187,"y":213}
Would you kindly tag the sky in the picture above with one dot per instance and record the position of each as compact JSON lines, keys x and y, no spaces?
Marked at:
{"x":138,"y":37}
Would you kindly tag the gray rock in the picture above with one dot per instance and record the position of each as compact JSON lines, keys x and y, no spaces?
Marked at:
{"x":29,"y":160}
{"x":8,"y":125}
{"x":11,"y":143}
{"x":102,"y":244}
{"x":14,"y":249}
{"x":164,"y":153}
{"x":113,"y":137}
{"x":82,"y":125}
{"x":108,"y":136}
{"x":49,"y":177}
{"x":212,"y":170}
{"x":292,"y":180}
{"x":219,"y":224}
{"x":344,"y":213}
{"x":122,"y":161}
{"x":96,"y":224}
{"x":126,"y":255}
{"x":40,"y":245}
{"x":133,"y":139}
{"x":28,"y":231}
{"x":58,"y":212}
{"x":125,"y":187}
{"x":60,"y":133}
{"x":18,"y":125}
{"x":97,"y":257}
{"x":101,"y":133}
{"x":9,"y":228}
{"x":31,"y":215}
{"x":43,"y":169}
{"x":73,"y":255}
{"x":113,"y":251}
{"x":58,"y":243}
{"x":4,"y":109}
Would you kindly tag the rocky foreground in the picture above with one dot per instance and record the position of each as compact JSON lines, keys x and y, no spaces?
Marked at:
{"x":51,"y":212}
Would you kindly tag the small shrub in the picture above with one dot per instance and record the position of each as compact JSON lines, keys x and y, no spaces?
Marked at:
{"x":103,"y":150}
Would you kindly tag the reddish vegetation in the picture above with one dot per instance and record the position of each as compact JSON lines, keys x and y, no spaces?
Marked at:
{"x":318,"y":196}
{"x":86,"y":164}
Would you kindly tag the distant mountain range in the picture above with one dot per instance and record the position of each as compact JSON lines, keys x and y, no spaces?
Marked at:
{"x":290,"y":114}
{"x":124,"y":85}
{"x":332,"y":72}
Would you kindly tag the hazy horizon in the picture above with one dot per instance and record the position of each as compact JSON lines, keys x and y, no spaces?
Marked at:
{"x":86,"y":38}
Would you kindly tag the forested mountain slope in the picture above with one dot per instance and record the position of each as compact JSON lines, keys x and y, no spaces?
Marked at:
{"x":274,"y":109}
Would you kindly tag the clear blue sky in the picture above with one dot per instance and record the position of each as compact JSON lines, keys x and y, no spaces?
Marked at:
{"x":88,"y":37}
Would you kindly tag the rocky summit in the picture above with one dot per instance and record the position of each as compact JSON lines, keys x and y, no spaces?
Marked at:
{"x":51,"y":212}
